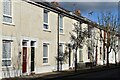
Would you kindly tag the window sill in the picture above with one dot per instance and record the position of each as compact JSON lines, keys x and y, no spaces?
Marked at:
{"x":46,"y":64}
{"x":61,"y":33}
{"x":47,"y":30}
{"x":5,"y":67}
{"x":6,"y":23}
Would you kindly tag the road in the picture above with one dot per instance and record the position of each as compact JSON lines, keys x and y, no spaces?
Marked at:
{"x":110,"y":74}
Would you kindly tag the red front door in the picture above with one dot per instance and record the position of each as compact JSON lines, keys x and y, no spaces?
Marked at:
{"x":24,"y":63}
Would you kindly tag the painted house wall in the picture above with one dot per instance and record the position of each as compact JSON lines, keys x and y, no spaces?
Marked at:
{"x":97,"y":43}
{"x":65,"y":37}
{"x":119,"y":50}
{"x":28,"y":25}
{"x":0,"y":40}
{"x":12,"y":32}
{"x":85,"y":47}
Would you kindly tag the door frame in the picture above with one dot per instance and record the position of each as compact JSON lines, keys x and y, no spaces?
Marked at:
{"x":25,"y":45}
{"x":33,"y":45}
{"x":24,"y":65}
{"x":32,"y":60}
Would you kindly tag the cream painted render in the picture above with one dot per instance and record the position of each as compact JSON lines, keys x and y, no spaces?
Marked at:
{"x":0,"y":40}
{"x":28,"y":26}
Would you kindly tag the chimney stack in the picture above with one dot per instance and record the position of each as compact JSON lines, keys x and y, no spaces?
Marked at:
{"x":77,"y":12}
{"x":55,"y":4}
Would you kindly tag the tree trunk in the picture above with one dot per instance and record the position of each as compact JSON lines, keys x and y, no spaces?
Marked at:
{"x":107,"y":56}
{"x":115,"y":58}
{"x":104,"y":53}
{"x":69,"y":57}
{"x":76,"y":60}
{"x":96,"y":56}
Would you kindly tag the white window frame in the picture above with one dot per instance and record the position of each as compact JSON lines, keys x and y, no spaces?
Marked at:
{"x":63,"y":46}
{"x":61,"y":28}
{"x":48,"y":54}
{"x":10,"y":54}
{"x":6,"y":15}
{"x":34,"y":43}
{"x":81,"y":54}
{"x":46,"y":23}
{"x":26,"y":42}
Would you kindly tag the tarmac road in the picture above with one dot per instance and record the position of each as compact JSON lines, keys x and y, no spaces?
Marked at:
{"x":113,"y":74}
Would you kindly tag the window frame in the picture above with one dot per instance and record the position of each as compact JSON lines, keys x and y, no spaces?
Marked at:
{"x":63,"y":48}
{"x":47,"y":54}
{"x":89,"y":52}
{"x":4,"y":41}
{"x":7,"y":15}
{"x":46,"y":23}
{"x":81,"y":54}
{"x":61,"y":24}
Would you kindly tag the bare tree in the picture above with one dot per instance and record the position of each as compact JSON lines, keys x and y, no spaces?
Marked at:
{"x":63,"y":56}
{"x":108,"y":22}
{"x":78,"y":37}
{"x":92,"y":44}
{"x":116,"y":47}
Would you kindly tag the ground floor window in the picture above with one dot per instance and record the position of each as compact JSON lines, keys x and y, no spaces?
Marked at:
{"x":61,"y":51}
{"x":6,"y":53}
{"x":45,"y":52}
{"x":89,"y":53}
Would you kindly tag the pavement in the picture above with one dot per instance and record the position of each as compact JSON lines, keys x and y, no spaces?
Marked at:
{"x":61,"y":74}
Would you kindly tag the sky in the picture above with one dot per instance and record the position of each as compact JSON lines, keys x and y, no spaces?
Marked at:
{"x":84,"y":0}
{"x":87,"y":6}
{"x":95,"y":7}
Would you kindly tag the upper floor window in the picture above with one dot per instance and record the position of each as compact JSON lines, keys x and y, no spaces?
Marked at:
{"x":6,"y":53}
{"x":45,"y":19}
{"x":89,"y":31}
{"x":7,"y":11}
{"x":61,"y":24}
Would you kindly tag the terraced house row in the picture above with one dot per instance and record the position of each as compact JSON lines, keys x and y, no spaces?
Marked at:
{"x":32,"y":34}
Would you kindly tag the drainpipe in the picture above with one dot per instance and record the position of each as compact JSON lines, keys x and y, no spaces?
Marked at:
{"x":58,"y":67}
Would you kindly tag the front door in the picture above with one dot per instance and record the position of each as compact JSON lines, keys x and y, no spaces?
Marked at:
{"x":24,"y":63}
{"x":32,"y":58}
